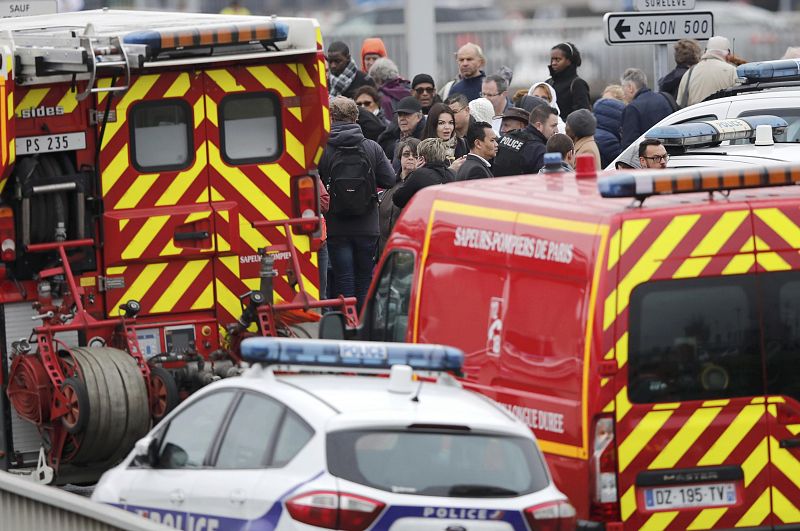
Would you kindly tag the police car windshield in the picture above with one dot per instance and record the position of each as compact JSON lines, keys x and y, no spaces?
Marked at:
{"x":434,"y":463}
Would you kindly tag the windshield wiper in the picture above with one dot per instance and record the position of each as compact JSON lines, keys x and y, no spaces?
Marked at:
{"x":478,"y":491}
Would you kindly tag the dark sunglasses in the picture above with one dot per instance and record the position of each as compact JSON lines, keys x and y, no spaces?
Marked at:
{"x":428,"y":90}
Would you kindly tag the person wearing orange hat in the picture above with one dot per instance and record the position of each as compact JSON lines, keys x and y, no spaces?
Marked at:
{"x":371,"y":50}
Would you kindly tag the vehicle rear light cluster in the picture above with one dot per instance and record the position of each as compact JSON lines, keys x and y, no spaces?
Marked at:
{"x":603,"y":472}
{"x":554,"y":516}
{"x":334,"y":510}
{"x":8,"y":250}
{"x":305,"y":203}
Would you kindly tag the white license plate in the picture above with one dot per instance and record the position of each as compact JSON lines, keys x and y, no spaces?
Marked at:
{"x":30,"y":145}
{"x":708,"y":495}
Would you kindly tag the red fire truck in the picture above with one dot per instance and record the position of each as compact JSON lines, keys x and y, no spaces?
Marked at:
{"x":147,"y":161}
{"x":646,"y":327}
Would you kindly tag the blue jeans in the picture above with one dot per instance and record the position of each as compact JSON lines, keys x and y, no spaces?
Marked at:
{"x":353,"y":260}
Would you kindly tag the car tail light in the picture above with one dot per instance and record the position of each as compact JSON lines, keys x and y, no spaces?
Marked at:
{"x":305,"y":203}
{"x":8,"y":250}
{"x":334,"y":510}
{"x":554,"y":516}
{"x":603,"y":472}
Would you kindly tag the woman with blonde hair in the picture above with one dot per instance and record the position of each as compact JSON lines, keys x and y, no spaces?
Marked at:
{"x":433,"y":153}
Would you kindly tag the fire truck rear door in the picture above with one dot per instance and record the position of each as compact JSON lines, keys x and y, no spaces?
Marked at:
{"x":691,"y":423}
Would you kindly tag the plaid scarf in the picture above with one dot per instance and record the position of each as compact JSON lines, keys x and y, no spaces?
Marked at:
{"x":338,"y":84}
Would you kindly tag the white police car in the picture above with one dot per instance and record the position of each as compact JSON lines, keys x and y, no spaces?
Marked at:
{"x":282,"y":451}
{"x":767,"y":88}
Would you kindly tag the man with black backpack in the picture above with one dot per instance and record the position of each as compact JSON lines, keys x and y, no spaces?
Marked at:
{"x":352,"y":168}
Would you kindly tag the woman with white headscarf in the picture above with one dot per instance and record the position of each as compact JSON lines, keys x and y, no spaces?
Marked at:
{"x":548,"y":93}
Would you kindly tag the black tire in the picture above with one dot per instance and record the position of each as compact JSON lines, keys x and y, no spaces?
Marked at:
{"x":163,"y":384}
{"x":78,"y":407}
{"x":137,"y":418}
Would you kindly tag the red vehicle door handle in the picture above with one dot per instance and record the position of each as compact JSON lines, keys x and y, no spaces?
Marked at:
{"x":790,"y":443}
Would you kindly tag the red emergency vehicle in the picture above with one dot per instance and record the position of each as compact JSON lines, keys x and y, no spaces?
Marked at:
{"x":147,"y":164}
{"x":647,"y":332}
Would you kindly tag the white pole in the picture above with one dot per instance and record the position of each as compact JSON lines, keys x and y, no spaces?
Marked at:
{"x":660,"y":63}
{"x":420,"y":20}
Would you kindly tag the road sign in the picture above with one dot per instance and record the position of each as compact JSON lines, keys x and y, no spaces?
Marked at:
{"x":663,"y":5}
{"x":13,"y":8}
{"x":661,"y":27}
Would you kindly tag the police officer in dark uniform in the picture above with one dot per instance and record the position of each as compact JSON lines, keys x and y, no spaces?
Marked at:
{"x":522,"y":151}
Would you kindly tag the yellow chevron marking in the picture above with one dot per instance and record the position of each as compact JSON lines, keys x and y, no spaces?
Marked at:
{"x":622,"y":350}
{"x":627,"y":504}
{"x":776,"y":400}
{"x":104,"y":83}
{"x":742,"y":263}
{"x":659,"y":521}
{"x":179,"y":87}
{"x":222,"y":244}
{"x":780,"y":224}
{"x":115,"y":169}
{"x":623,"y":405}
{"x":305,"y":77}
{"x":311,"y":288}
{"x":138,"y":90}
{"x":232,"y":264}
{"x":224,"y":214}
{"x":250,"y":236}
{"x":609,"y":310}
{"x":69,"y":102}
{"x":215,"y":195}
{"x":245,"y":186}
{"x":136,"y":191}
{"x":116,"y":270}
{"x":755,"y":462}
{"x":609,"y":407}
{"x":769,"y":260}
{"x":604,"y":381}
{"x":297,"y":112}
{"x":652,"y":259}
{"x":227,"y":299}
{"x":140,"y":286}
{"x":269,"y":80}
{"x":326,"y":119}
{"x":680,"y":443}
{"x":784,"y":460}
{"x":33,"y":98}
{"x":181,"y":183}
{"x":225,"y":80}
{"x":783,"y":508}
{"x":170,"y":249}
{"x":206,"y":299}
{"x":757,"y":513}
{"x":794,"y":429}
{"x":640,"y":436}
{"x":711,"y":244}
{"x":277,"y":175}
{"x":631,"y":230}
{"x":303,"y":245}
{"x":613,"y":250}
{"x":713,"y":403}
{"x":732,"y":436}
{"x":194,"y":216}
{"x":144,"y":237}
{"x":758,"y":400}
{"x":199,"y":112}
{"x":295,"y":148}
{"x":323,"y":79}
{"x":707,"y":518}
{"x":317,"y":156}
{"x":610,"y":354}
{"x":188,"y":275}
{"x":211,"y":110}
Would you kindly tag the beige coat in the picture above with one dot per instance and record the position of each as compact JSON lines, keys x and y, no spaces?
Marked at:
{"x":710,"y":75}
{"x":588,"y":145}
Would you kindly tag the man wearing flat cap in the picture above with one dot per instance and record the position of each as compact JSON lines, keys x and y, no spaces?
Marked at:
{"x":712,"y":74}
{"x":424,"y":89}
{"x":514,"y":118}
{"x":581,"y":125}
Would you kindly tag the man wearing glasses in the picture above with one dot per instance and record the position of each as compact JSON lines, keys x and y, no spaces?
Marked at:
{"x":424,"y":89}
{"x":495,"y":89}
{"x":652,"y":154}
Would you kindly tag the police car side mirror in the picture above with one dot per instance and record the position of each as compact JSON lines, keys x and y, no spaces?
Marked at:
{"x":146,"y":451}
{"x":332,"y":326}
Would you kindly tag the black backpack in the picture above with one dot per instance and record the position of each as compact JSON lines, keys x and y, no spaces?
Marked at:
{"x":352,"y":182}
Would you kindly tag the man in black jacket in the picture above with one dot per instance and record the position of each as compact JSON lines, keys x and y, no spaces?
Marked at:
{"x":408,"y":121}
{"x":522,"y":151}
{"x":482,"y":148}
{"x":435,"y":171}
{"x":344,"y":77}
{"x":352,"y":240}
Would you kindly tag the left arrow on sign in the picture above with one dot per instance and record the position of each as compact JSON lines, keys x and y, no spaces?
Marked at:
{"x":620,"y":28}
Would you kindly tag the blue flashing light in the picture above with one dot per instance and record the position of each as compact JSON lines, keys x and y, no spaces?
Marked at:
{"x":713,"y":131}
{"x":621,"y":185}
{"x":281,"y":31}
{"x":769,"y":70}
{"x":354,"y":355}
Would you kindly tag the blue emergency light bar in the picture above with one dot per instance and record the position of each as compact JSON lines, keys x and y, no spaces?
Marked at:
{"x":350,"y":354}
{"x":763,"y":71}
{"x":642,"y":184}
{"x":714,"y":131}
{"x":210,"y":35}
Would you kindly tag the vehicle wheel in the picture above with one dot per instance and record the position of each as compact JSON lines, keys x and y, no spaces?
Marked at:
{"x":163,"y":393}
{"x":77,"y":398}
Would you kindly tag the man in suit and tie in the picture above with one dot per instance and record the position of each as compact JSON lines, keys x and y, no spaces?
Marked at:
{"x":482,"y":142}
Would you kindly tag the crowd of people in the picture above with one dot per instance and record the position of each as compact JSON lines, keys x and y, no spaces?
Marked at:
{"x":397,"y":136}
